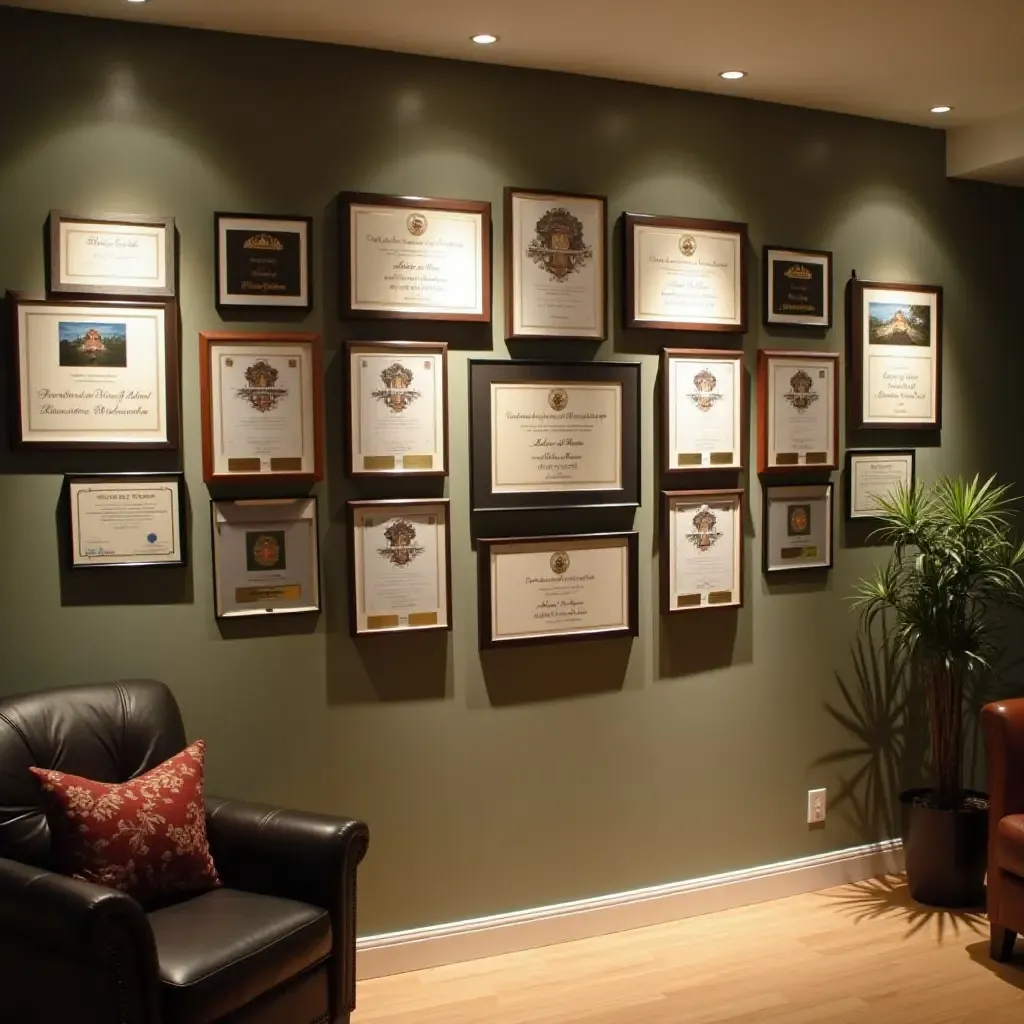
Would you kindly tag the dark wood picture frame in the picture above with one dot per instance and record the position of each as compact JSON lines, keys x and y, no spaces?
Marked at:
{"x":870,"y":453}
{"x":767,"y":486}
{"x":770,"y":317}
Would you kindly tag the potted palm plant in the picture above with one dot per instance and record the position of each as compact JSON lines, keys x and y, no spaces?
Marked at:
{"x":953,"y":570}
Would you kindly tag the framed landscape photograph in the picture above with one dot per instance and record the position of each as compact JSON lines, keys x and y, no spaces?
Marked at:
{"x":263,"y":261}
{"x":797,"y":529}
{"x":797,"y":287}
{"x":874,"y":473}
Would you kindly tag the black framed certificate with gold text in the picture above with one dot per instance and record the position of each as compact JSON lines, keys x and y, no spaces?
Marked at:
{"x":263,"y":261}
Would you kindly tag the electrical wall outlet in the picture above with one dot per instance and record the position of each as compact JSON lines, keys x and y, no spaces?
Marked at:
{"x":815,"y":806}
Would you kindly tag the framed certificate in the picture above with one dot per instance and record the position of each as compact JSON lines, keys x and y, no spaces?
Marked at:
{"x":127,"y":520}
{"x":703,"y":409}
{"x":399,"y":566}
{"x":109,"y":255}
{"x":266,"y":557}
{"x":406,"y":257}
{"x":263,"y":261}
{"x":555,"y":265}
{"x":874,"y":473}
{"x":536,"y":590}
{"x":684,"y":274}
{"x":397,"y":408}
{"x":797,"y":411}
{"x":797,"y":287}
{"x":896,"y":350}
{"x":262,"y":407}
{"x":95,"y":374}
{"x":552,"y":435}
{"x":797,"y":528}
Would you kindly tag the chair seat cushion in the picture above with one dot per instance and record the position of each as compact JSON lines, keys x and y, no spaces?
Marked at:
{"x":1010,"y":844}
{"x":225,"y":948}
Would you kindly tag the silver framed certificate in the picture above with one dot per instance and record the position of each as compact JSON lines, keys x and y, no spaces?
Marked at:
{"x":703,"y":409}
{"x":127,"y":520}
{"x":397,"y":408}
{"x":797,"y":528}
{"x":399,"y":566}
{"x":798,"y":411}
{"x":536,"y":590}
{"x":702,"y":550}
{"x":266,"y":557}
{"x":873,"y":473}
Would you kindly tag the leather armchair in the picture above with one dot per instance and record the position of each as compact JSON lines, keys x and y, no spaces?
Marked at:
{"x":275,"y":945}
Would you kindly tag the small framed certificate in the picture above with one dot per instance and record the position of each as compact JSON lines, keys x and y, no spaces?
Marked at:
{"x":684,"y":274}
{"x":127,"y":520}
{"x":798,"y":411}
{"x":262,"y":407}
{"x":875,"y":473}
{"x":536,"y":590}
{"x":555,"y":265}
{"x":397,"y":408}
{"x":263,"y":261}
{"x":797,"y":287}
{"x":108,"y":255}
{"x":702,"y":550}
{"x":703,"y":409}
{"x":554,"y":435}
{"x":399,"y":566}
{"x":797,"y":528}
{"x":411,"y":258}
{"x":266,"y":557}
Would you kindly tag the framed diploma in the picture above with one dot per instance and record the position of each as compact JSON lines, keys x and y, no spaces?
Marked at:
{"x":555,"y":265}
{"x":406,"y":257}
{"x":127,"y":520}
{"x":684,"y":274}
{"x":536,"y":590}
{"x":266,"y":557}
{"x":263,"y":261}
{"x":553,"y":435}
{"x":399,"y":566}
{"x":112,"y":255}
{"x":702,"y":409}
{"x":797,"y":528}
{"x":896,"y":350}
{"x":702,"y":550}
{"x":262,"y":407}
{"x":94,"y":374}
{"x":875,"y":473}
{"x":797,"y":287}
{"x":397,"y":408}
{"x":797,"y":411}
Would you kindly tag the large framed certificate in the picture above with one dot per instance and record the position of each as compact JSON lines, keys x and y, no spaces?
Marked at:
{"x":703,"y":409}
{"x":797,"y":529}
{"x":552,"y":435}
{"x":399,"y":566}
{"x":702,"y":550}
{"x":407,"y":257}
{"x":536,"y":590}
{"x":684,"y":274}
{"x":127,"y":520}
{"x":95,"y":374}
{"x":397,"y":408}
{"x":263,"y":261}
{"x":797,"y":411}
{"x":262,"y":407}
{"x":896,"y":348}
{"x":555,"y":265}
{"x":875,"y":473}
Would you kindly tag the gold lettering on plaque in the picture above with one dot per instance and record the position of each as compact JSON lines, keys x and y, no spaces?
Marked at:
{"x":417,"y":461}
{"x":381,"y":621}
{"x":720,"y":597}
{"x":787,"y":459}
{"x":286,"y":465}
{"x":688,"y":601}
{"x":816,"y":457}
{"x":721,"y":458}
{"x":688,"y":458}
{"x":378,"y":462}
{"x":801,"y":552}
{"x":252,"y":595}
{"x":244,"y":465}
{"x":423,"y":618}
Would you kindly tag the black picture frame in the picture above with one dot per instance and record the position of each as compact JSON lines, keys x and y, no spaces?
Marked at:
{"x":871,"y":453}
{"x":798,"y":256}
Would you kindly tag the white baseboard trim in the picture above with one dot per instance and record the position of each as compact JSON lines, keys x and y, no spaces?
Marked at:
{"x":437,"y":945}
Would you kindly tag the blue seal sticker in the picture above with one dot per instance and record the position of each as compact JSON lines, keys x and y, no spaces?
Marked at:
{"x":151,"y":538}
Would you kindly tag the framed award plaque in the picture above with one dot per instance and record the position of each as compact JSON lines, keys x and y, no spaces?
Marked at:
{"x":875,"y":473}
{"x":555,"y":265}
{"x":684,"y":274}
{"x":399,"y":566}
{"x":797,"y":287}
{"x":797,"y":411}
{"x":263,"y":261}
{"x":411,"y":258}
{"x":397,"y":408}
{"x":536,"y":590}
{"x":896,"y":350}
{"x":703,"y":409}
{"x":554,"y":435}
{"x":262,"y":407}
{"x":702,"y":550}
{"x":797,"y":531}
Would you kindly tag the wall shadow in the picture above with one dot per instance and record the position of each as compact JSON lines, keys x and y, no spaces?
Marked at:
{"x":258,"y":627}
{"x":410,"y":667}
{"x":690,"y":643}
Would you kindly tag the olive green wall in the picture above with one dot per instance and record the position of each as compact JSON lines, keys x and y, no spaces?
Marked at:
{"x":532,"y":776}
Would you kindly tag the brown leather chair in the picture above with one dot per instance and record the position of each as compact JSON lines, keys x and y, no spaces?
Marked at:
{"x":275,"y":945}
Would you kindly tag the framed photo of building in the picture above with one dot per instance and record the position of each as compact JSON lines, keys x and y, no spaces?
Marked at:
{"x":875,"y":473}
{"x":797,"y":287}
{"x":263,"y":261}
{"x":797,"y":528}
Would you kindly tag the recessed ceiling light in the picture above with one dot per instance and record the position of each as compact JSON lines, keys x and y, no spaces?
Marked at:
{"x":942,"y":109}
{"x":484,"y":39}
{"x":135,"y":1}
{"x":732,"y":74}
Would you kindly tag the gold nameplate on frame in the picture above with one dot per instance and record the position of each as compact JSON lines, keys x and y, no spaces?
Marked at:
{"x":688,"y":601}
{"x":381,"y":621}
{"x":816,"y":458}
{"x":807,"y":552}
{"x":688,"y":459}
{"x":721,"y":459}
{"x":720,"y":597}
{"x":378,"y":462}
{"x":244,"y":465}
{"x":286,"y":465}
{"x":787,"y":459}
{"x":417,"y":461}
{"x":251,"y":595}
{"x":423,"y":618}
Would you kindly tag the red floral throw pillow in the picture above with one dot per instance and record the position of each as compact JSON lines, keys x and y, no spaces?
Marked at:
{"x":146,"y":837}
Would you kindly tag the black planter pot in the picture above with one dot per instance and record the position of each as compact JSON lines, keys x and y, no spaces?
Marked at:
{"x":945,"y":851}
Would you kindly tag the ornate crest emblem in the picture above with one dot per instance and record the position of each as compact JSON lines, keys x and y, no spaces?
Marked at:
{"x":800,"y":395}
{"x":799,"y":520}
{"x":266,"y":552}
{"x":262,"y":392}
{"x":397,"y":393}
{"x":705,"y":396}
{"x":416,"y":223}
{"x":402,"y":549}
{"x":704,"y":535}
{"x":263,"y":243}
{"x":560,"y":563}
{"x":558,"y":399}
{"x":558,"y":248}
{"x":798,"y":272}
{"x":687,"y":245}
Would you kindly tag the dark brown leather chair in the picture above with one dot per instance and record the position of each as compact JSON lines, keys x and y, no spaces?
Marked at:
{"x":275,"y":945}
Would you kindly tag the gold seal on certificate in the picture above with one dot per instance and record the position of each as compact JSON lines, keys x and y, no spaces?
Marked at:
{"x":876,"y":473}
{"x":797,"y":528}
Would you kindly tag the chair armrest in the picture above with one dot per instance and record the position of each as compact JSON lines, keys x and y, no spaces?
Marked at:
{"x":1003,"y":724}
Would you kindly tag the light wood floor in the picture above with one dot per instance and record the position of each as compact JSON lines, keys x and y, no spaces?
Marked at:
{"x":863,"y":952}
